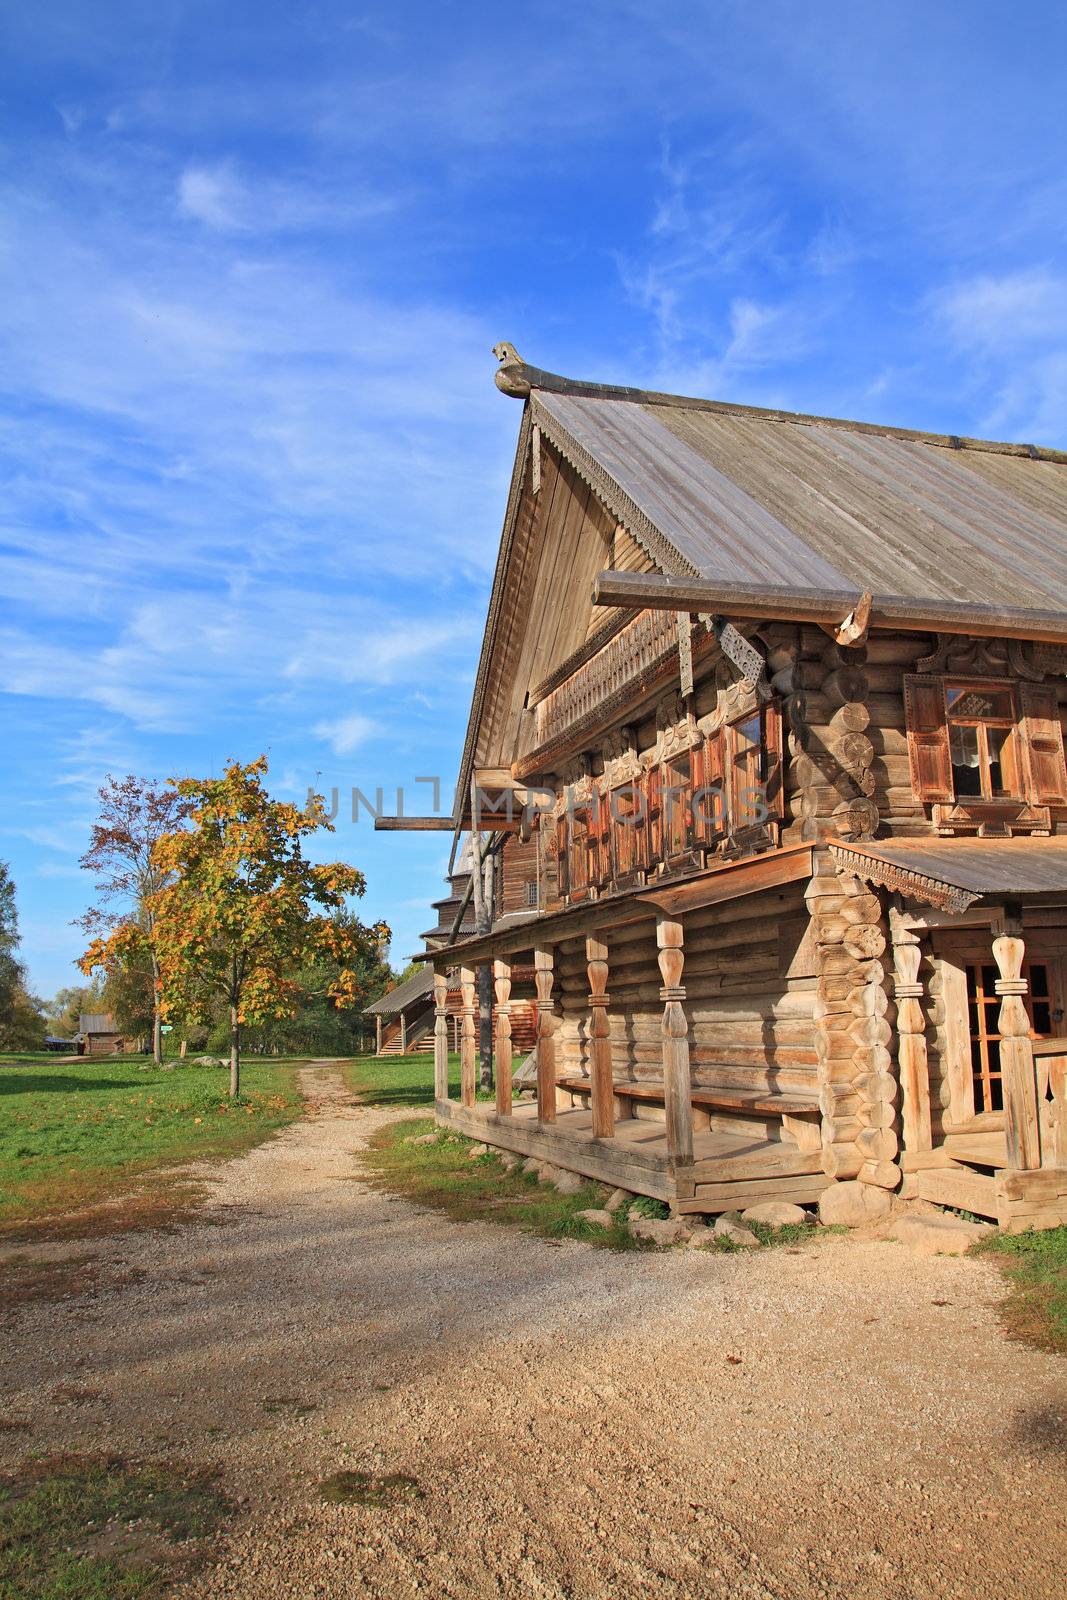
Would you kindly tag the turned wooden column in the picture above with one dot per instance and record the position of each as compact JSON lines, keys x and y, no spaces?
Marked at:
{"x":602,"y":1098}
{"x":912,"y":1058}
{"x":440,"y":1036}
{"x":1017,"y":1075}
{"x":377,"y":1033}
{"x":544,"y":977}
{"x":677,"y":1093}
{"x":502,"y":986}
{"x":466,"y":1043}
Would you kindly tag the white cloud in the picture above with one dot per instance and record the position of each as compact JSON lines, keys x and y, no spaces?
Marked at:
{"x":998,"y":313}
{"x":346,"y":733}
{"x":211,"y":195}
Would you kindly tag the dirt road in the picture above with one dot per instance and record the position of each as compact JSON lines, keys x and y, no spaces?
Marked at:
{"x":847,"y":1420}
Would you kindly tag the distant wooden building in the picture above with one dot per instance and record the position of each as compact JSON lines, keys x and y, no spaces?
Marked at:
{"x":99,"y":1036}
{"x":776,"y":703}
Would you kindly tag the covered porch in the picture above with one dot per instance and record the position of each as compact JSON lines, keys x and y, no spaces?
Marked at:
{"x":700,"y":1149}
{"x":979,"y":939}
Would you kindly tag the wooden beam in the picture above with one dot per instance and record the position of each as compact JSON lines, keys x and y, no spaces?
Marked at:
{"x":665,"y":592}
{"x":677,"y":1089}
{"x":413,"y":825}
{"x":544,"y":976}
{"x":602,"y":1100}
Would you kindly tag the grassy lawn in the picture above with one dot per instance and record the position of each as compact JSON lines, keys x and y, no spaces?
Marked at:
{"x":76,"y":1132}
{"x":99,"y":1528}
{"x":401,"y":1080}
{"x":1035,"y":1265}
{"x":443,"y":1176}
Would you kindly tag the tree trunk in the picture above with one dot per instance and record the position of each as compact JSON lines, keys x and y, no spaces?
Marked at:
{"x":235,"y":1054}
{"x":157,"y":1020}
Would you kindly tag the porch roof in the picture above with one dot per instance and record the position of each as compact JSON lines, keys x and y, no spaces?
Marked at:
{"x":953,"y":873}
{"x":727,"y":880}
{"x":417,"y":987}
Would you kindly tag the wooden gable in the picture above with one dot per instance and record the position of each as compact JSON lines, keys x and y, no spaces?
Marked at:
{"x":564,"y":536}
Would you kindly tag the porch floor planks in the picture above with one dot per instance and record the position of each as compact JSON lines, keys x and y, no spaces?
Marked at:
{"x":726,"y":1166}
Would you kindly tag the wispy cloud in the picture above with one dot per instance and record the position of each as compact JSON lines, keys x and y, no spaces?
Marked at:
{"x":346,"y":733}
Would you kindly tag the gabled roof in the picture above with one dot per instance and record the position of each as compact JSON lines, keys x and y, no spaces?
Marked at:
{"x":783,"y":500}
{"x":802,"y":501}
{"x":96,"y":1022}
{"x":417,"y":987}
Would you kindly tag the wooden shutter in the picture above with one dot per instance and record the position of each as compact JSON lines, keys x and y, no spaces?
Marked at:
{"x":773,"y":762}
{"x":600,"y":825}
{"x":928,"y":743}
{"x":709,"y":813}
{"x":563,"y":875}
{"x":654,"y":809}
{"x":1042,"y":740}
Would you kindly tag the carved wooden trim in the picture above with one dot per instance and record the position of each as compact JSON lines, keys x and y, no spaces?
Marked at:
{"x":914,"y":885}
{"x":602,"y":1099}
{"x":674,"y":1029}
{"x":544,"y":977}
{"x":1018,"y":1078}
{"x":912,"y":1056}
{"x":440,"y":1036}
{"x":466,"y":1047}
{"x":502,"y":989}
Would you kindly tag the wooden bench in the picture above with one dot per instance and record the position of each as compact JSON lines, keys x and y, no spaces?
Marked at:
{"x":761,"y":1102}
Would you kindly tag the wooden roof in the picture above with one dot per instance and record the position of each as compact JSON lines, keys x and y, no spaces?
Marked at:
{"x":807,"y":502}
{"x":768,"y":499}
{"x":953,"y":873}
{"x":417,"y":987}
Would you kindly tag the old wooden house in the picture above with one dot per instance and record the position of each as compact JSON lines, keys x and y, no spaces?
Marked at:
{"x":774,"y":704}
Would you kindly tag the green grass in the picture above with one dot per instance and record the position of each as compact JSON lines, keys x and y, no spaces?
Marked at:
{"x":443,"y":1176}
{"x":99,"y":1528}
{"x":1035,"y":1265}
{"x":401,"y":1080}
{"x":76,"y":1132}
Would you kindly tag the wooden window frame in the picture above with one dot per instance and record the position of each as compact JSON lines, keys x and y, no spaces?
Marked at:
{"x":1037,"y":748}
{"x":1016,"y":795}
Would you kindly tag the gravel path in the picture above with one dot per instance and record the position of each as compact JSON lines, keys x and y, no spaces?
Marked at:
{"x":846,"y":1420}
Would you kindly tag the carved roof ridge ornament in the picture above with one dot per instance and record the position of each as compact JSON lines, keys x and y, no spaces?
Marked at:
{"x":914,"y":885}
{"x":514,"y":377}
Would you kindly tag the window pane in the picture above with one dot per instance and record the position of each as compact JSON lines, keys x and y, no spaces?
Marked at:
{"x":966,"y":760}
{"x":979,"y":705}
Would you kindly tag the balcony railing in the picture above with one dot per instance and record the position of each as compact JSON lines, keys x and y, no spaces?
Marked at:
{"x":634,"y":652}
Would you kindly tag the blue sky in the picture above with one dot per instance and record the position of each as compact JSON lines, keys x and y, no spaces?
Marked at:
{"x":253,"y":257}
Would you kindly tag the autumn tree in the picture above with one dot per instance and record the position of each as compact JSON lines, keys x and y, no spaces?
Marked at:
{"x":243,"y":909}
{"x":64,"y":1011}
{"x":10,"y":967}
{"x":135,"y":814}
{"x":21,"y":1023}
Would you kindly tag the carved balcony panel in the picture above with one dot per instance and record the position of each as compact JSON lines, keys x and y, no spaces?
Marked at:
{"x":620,"y":670}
